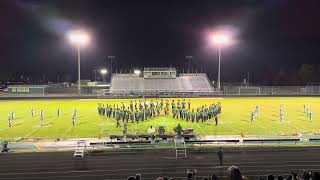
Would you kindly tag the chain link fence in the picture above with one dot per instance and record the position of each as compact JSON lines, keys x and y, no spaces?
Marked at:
{"x":271,"y":90}
{"x":225,"y":91}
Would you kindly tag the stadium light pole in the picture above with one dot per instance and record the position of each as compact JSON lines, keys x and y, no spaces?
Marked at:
{"x":79,"y":39}
{"x":103,"y":72}
{"x":111,"y":61}
{"x":189,"y":61}
{"x":221,"y":40}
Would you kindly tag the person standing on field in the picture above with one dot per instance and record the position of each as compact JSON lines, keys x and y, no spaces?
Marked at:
{"x":216,"y":119}
{"x":310,"y":115}
{"x":58,"y":113}
{"x":41,"y":117}
{"x":183,"y":104}
{"x":253,"y":116}
{"x":9,"y":121}
{"x":32,"y":112}
{"x":125,"y":129}
{"x":281,"y":115}
{"x":192,"y":115}
{"x":135,"y":105}
{"x":131,"y":105}
{"x":161,"y":104}
{"x":118,"y":118}
{"x":73,"y":120}
{"x":136,"y":115}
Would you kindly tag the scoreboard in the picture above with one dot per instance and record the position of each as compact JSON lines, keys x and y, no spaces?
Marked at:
{"x":159,"y":73}
{"x":26,"y":89}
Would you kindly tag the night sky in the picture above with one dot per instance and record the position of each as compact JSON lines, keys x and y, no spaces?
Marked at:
{"x":270,"y":36}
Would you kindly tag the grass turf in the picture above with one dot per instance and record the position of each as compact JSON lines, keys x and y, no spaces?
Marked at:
{"x":234,"y":120}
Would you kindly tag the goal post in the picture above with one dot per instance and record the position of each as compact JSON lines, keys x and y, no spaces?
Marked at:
{"x":249,"y":90}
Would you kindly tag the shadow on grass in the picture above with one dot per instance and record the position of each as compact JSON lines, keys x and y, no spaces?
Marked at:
{"x":15,"y":125}
{"x":48,"y":124}
{"x":245,"y":120}
{"x":206,"y":124}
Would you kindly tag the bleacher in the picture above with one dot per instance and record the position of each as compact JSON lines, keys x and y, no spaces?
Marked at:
{"x":185,"y":83}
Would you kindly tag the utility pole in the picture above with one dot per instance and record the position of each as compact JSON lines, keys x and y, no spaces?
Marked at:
{"x":111,"y":58}
{"x":95,"y":75}
{"x":189,"y":61}
{"x":248,"y":78}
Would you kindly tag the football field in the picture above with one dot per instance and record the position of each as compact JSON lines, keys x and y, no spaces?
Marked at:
{"x":235,"y":118}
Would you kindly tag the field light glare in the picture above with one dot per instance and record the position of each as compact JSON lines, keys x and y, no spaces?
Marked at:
{"x":221,"y":39}
{"x":103,"y":71}
{"x":79,"y":38}
{"x":137,"y":71}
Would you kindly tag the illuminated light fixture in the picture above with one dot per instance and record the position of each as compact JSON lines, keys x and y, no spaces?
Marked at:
{"x":79,"y":38}
{"x":137,"y":71}
{"x":103,"y":71}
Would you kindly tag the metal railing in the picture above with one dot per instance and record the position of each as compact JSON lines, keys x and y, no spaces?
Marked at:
{"x":271,"y":90}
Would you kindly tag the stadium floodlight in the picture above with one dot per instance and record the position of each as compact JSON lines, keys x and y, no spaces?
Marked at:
{"x":79,"y":39}
{"x":220,"y":39}
{"x":104,"y":72}
{"x":137,"y":71}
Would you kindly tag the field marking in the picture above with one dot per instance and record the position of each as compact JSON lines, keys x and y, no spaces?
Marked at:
{"x":66,"y":131}
{"x":31,"y":132}
{"x":38,"y":127}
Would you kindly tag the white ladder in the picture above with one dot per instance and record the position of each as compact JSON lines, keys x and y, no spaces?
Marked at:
{"x":81,"y":149}
{"x":180,"y":147}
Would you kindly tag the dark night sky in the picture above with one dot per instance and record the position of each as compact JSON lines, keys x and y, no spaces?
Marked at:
{"x":270,"y":35}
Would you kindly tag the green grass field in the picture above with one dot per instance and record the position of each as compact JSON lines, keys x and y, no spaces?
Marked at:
{"x":234,"y":120}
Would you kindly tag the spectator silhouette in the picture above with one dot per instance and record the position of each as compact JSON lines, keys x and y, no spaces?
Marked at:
{"x":189,"y":176}
{"x":244,"y":178}
{"x":295,"y":176}
{"x":315,"y":176}
{"x":138,"y":176}
{"x":270,"y":177}
{"x":131,"y":178}
{"x":214,"y":177}
{"x":280,"y":178}
{"x":234,"y":173}
{"x":306,"y":175}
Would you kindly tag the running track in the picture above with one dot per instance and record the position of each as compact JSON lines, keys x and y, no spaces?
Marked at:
{"x":253,"y":162}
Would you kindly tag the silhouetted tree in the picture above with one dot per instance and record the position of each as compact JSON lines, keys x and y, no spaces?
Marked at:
{"x":307,"y":73}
